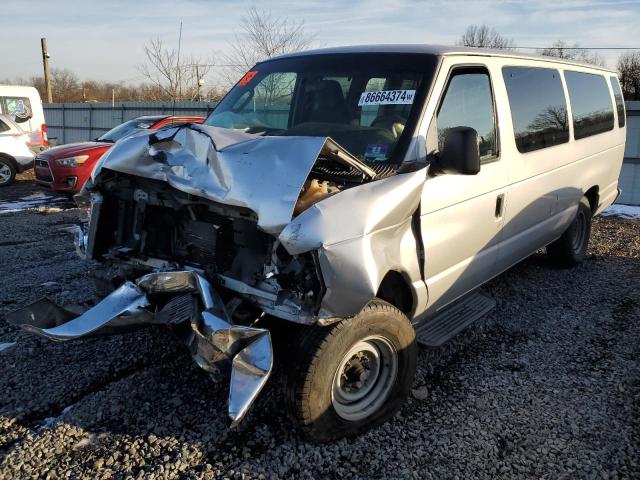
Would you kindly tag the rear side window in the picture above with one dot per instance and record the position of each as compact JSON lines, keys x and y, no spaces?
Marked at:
{"x":19,"y":108}
{"x":617,"y":95}
{"x":468,"y":102}
{"x":538,"y":107}
{"x":591,"y":106}
{"x":4,"y":127}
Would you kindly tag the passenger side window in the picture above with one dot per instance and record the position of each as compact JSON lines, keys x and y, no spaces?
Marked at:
{"x":468,"y":102}
{"x":591,"y":106}
{"x":617,"y":95}
{"x":538,"y":107}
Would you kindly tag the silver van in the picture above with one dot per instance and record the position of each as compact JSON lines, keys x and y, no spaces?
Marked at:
{"x":340,"y":206}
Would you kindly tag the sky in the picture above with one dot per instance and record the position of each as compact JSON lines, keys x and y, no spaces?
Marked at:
{"x":104,"y":40}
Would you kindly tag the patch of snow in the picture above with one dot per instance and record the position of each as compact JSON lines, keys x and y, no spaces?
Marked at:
{"x":622,"y":211}
{"x":35,"y":200}
{"x":50,"y":421}
{"x":6,"y":346}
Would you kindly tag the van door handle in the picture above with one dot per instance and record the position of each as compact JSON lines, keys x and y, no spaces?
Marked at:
{"x":499,"y":205}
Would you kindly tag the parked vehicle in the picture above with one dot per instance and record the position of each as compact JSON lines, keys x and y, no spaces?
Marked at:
{"x":15,"y":154}
{"x":66,"y":168}
{"x":348,"y":201}
{"x":24,"y":107}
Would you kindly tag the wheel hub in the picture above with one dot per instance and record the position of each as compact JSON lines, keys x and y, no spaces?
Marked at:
{"x":364,"y":378}
{"x":5,"y":173}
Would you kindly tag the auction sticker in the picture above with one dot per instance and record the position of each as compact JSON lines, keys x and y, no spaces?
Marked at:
{"x":387,"y":97}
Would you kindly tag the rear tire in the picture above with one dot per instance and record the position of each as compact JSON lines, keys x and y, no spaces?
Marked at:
{"x":353,"y":375}
{"x":7,"y":172}
{"x":571,"y":248}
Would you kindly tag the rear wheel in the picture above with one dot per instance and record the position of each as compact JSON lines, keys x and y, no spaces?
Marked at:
{"x":7,"y":172}
{"x":353,"y":375}
{"x":571,"y":248}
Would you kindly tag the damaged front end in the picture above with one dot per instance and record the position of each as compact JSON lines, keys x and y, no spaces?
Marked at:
{"x":169,"y":298}
{"x":192,"y":228}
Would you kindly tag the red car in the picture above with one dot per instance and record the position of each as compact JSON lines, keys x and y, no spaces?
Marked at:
{"x":66,"y":168}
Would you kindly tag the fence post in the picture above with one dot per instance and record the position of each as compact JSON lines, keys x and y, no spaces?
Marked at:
{"x":64,"y":126}
{"x":90,"y":122}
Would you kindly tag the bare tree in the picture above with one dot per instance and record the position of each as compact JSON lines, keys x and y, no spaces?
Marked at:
{"x":561,"y":49}
{"x":176,"y":76}
{"x":629,"y":69}
{"x":483,"y":36}
{"x":554,"y":118}
{"x":263,"y":35}
{"x":65,"y":85}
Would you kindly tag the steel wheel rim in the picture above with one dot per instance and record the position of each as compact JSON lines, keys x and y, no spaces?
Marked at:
{"x":579,"y":231}
{"x":364,"y":378}
{"x":5,"y":173}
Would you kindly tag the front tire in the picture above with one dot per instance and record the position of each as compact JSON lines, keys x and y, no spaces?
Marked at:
{"x":7,"y":172}
{"x":353,"y":375}
{"x":571,"y":248}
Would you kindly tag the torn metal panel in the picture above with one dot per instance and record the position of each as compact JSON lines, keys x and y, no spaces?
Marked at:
{"x":124,"y":305}
{"x":214,"y":340}
{"x":263,"y":174}
{"x":358,"y":245}
{"x":354,"y":213}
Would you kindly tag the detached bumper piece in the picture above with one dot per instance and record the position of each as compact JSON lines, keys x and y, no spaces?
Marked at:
{"x":214,"y":341}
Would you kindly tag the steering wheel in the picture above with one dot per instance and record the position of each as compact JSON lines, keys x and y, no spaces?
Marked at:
{"x":392,"y":122}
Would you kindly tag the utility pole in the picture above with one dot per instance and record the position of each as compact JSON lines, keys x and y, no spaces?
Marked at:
{"x":199,"y":82}
{"x":45,"y":64}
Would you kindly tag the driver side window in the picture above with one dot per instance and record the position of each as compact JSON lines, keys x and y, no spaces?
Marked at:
{"x":269,"y":102}
{"x":468,"y":102}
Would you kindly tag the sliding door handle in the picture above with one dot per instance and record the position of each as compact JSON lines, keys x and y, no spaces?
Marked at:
{"x":499,"y":205}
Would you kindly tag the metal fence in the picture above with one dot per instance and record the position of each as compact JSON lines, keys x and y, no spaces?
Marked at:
{"x":629,"y":180}
{"x":77,"y":122}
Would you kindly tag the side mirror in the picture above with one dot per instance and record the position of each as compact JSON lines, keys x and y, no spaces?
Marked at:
{"x":460,"y":153}
{"x":22,"y":118}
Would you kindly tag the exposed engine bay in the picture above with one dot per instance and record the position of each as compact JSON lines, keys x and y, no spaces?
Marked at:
{"x":139,"y":225}
{"x":146,"y":225}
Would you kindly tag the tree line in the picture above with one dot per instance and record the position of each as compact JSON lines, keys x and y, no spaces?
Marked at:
{"x":167,"y":76}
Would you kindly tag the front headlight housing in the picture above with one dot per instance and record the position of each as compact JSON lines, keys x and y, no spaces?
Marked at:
{"x":72,"y":161}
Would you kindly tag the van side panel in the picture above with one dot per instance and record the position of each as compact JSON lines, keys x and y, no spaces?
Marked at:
{"x":594,"y":161}
{"x":464,"y":244}
{"x":459,"y":226}
{"x":546,"y":185}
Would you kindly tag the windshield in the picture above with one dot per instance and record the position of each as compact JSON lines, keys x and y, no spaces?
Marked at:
{"x":368,"y":103}
{"x":124,"y":129}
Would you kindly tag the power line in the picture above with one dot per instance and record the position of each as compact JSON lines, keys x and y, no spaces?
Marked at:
{"x":551,"y":47}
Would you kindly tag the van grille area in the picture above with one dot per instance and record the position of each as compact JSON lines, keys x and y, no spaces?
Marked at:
{"x":42,"y":170}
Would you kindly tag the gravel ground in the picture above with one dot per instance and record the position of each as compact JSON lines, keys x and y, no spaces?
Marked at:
{"x":546,"y":386}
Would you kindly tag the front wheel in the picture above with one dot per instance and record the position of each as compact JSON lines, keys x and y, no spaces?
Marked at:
{"x":571,"y":248}
{"x":353,"y":375}
{"x":7,"y":172}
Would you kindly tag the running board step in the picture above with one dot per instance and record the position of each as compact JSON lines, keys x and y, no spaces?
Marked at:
{"x":446,"y":324}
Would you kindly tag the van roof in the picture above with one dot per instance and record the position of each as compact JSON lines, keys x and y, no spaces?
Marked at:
{"x":23,"y":88}
{"x":440,"y":50}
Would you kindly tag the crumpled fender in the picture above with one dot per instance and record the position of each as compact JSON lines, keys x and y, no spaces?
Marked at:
{"x":360,"y":234}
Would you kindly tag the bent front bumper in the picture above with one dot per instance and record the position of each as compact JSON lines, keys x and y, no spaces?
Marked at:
{"x":214,"y":341}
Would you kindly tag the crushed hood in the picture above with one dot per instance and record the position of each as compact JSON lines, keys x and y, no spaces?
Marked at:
{"x":263,"y":174}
